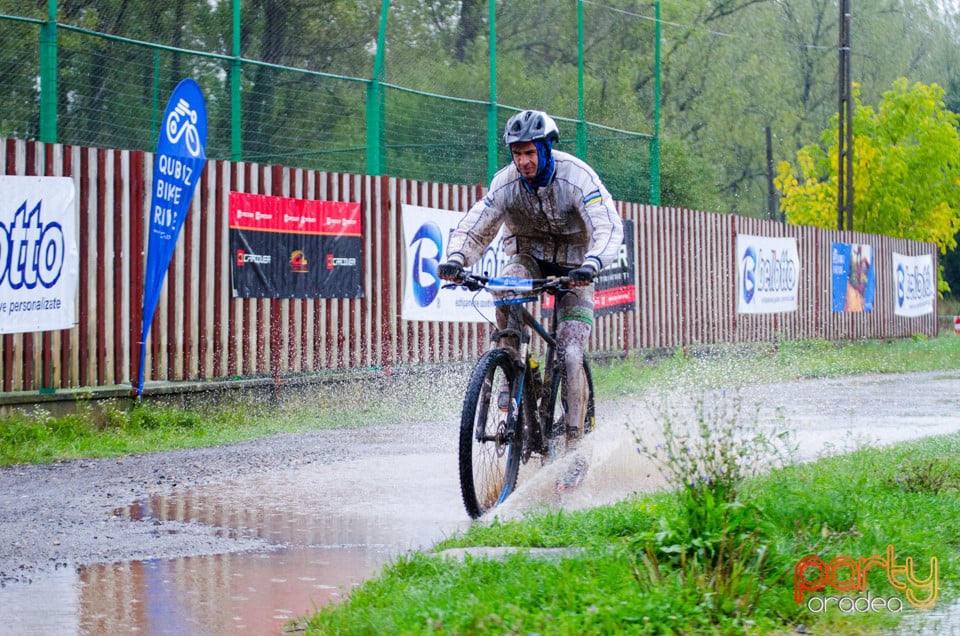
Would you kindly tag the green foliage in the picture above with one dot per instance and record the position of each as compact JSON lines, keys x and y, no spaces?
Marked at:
{"x":906,"y":169}
{"x":717,"y":543}
{"x":729,"y":71}
{"x":932,"y":475}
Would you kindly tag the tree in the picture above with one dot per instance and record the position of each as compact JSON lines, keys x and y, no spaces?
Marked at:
{"x":906,"y":170}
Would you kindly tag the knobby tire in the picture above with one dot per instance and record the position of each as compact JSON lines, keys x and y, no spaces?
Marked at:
{"x":491,"y":443}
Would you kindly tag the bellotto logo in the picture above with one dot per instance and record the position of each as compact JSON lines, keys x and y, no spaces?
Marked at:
{"x":298,"y":261}
{"x":845,"y":574}
{"x":334,"y":261}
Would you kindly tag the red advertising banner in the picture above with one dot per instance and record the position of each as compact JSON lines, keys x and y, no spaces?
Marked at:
{"x":294,"y":248}
{"x":615,"y":288}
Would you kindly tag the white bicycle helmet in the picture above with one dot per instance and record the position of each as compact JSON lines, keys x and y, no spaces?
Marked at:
{"x":530,"y":125}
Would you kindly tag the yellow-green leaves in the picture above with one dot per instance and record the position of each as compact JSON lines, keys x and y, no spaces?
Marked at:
{"x":906,"y":172}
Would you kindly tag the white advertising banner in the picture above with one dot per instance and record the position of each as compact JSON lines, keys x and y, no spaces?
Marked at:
{"x":426,"y":233}
{"x":39,"y":261}
{"x":916,"y":284}
{"x":768,"y":272}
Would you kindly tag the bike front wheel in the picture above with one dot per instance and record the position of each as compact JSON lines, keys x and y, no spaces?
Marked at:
{"x":491,"y":441}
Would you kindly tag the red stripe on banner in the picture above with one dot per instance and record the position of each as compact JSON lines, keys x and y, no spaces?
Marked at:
{"x":614,"y":296}
{"x":294,"y":216}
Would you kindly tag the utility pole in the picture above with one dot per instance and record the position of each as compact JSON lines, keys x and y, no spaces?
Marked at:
{"x":771,"y":190}
{"x":845,"y":115}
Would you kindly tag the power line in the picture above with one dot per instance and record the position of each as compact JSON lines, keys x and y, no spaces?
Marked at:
{"x":702,"y":29}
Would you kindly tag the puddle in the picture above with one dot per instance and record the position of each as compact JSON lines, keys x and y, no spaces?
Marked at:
{"x":224,"y":594}
{"x":939,"y":621}
{"x":333,"y":527}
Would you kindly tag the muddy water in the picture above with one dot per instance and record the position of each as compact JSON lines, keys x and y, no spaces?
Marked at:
{"x":332,"y":526}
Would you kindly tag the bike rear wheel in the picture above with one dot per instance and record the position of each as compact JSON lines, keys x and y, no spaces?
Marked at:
{"x":559,"y":407}
{"x":490,"y":438}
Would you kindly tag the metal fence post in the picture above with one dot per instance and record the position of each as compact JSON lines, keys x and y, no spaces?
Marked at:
{"x":236,"y":134}
{"x":376,"y":164}
{"x":48,"y":75}
{"x":655,"y":140}
{"x":493,"y":144}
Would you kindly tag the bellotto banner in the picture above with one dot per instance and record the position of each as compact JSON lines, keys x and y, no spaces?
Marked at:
{"x":294,"y":248}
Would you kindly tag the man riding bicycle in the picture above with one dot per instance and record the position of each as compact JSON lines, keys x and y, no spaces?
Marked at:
{"x":559,"y":220}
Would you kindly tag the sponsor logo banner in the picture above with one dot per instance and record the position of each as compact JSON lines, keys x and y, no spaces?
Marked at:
{"x":616,"y":286}
{"x":768,"y":273}
{"x":294,"y":248}
{"x":916,"y":285}
{"x":615,"y":289}
{"x":853,"y":280}
{"x":39,"y":260}
{"x":426,"y":233}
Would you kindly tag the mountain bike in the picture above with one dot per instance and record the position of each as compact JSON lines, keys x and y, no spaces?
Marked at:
{"x":515,"y":407}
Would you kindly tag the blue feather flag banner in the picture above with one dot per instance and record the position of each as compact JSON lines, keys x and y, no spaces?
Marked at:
{"x":177,"y":166}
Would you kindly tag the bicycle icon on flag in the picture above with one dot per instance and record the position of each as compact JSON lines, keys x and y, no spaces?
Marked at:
{"x":177,"y":128}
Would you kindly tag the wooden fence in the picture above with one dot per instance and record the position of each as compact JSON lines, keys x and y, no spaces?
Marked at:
{"x":686,"y":278}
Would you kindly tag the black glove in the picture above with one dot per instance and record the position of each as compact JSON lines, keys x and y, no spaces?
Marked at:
{"x":451,"y":271}
{"x":583,"y":275}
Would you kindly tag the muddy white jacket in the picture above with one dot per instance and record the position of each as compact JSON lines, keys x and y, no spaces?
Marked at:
{"x":569,"y":222}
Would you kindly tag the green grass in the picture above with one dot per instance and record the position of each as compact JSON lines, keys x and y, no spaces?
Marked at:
{"x":714,"y":560}
{"x":114,"y":428}
{"x":853,"y":505}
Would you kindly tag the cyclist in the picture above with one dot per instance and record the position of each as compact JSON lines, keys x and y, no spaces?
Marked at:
{"x":559,"y":220}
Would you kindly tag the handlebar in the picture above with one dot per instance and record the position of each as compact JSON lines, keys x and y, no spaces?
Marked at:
{"x":549,"y":285}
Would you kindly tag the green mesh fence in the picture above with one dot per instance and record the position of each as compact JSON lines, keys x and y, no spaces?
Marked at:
{"x":302,"y":119}
{"x":19,"y":70}
{"x":435,"y":138}
{"x":303,"y":72}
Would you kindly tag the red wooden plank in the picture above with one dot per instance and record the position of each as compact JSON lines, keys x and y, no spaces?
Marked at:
{"x":119,"y":250}
{"x":100,"y":297}
{"x":204,"y":294}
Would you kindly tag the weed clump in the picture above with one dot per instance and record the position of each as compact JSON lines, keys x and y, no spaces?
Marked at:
{"x":713,"y":547}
